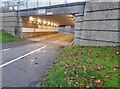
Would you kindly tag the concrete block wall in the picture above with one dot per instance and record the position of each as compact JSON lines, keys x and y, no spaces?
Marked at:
{"x":78,"y":27}
{"x":20,"y":25}
{"x":10,"y":23}
{"x":99,"y":24}
{"x":1,"y":19}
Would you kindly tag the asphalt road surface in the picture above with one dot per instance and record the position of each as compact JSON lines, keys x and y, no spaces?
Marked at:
{"x":25,"y":63}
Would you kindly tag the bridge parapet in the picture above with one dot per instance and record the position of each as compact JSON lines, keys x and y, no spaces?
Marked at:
{"x":72,"y":8}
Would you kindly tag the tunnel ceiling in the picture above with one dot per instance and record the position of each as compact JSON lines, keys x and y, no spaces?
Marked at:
{"x":64,"y":19}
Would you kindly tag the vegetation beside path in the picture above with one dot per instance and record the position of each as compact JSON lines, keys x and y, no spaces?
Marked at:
{"x":85,"y":67}
{"x":7,"y":37}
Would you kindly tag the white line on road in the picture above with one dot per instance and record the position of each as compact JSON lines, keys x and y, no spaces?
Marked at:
{"x":3,"y":65}
{"x":58,"y":40}
{"x":6,"y":49}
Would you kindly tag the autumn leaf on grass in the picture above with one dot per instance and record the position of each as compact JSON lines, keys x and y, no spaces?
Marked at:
{"x":109,"y":76}
{"x":70,"y":82}
{"x":76,"y":53}
{"x":117,"y":53}
{"x":70,"y":78}
{"x":98,"y":56}
{"x":98,"y":85}
{"x":91,"y":66}
{"x":65,"y":72}
{"x":85,"y":69}
{"x":116,"y":68}
{"x":99,"y":82}
{"x":76,"y":75}
{"x":88,"y":53}
{"x":77,"y":83}
{"x":92,"y":77}
{"x":67,"y":65}
{"x":82,"y":85}
{"x":100,"y":68}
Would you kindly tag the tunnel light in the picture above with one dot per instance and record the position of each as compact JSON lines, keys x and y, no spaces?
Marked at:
{"x":34,"y":22}
{"x":44,"y":22}
{"x":52,"y":24}
{"x":49,"y":23}
{"x":39,"y":21}
{"x":31,"y":18}
{"x":56,"y":25}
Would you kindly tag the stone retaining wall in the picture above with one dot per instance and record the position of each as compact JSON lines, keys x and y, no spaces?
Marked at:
{"x":98,"y":25}
{"x":10,"y":23}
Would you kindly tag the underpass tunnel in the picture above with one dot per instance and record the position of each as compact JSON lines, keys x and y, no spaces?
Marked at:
{"x":34,"y":26}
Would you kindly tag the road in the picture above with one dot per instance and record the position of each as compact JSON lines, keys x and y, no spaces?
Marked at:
{"x":26,"y":65}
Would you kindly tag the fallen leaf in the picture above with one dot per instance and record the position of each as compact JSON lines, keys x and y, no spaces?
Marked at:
{"x":76,"y":83}
{"x":101,"y":81}
{"x":81,"y":84}
{"x":70,"y":82}
{"x":97,"y":81}
{"x":65,"y":72}
{"x":60,"y":86}
{"x":70,"y":78}
{"x":87,"y":86}
{"x":92,"y":77}
{"x":116,"y":67}
{"x":117,"y":52}
{"x":67,"y":65}
{"x":76,"y":75}
{"x":88,"y":53}
{"x":85,"y":69}
{"x":98,"y":85}
{"x":109,"y":76}
{"x":98,"y":56}
{"x":91,"y":67}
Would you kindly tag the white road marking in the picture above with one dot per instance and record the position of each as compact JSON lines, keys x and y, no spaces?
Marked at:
{"x":6,"y":49}
{"x":5,"y":64}
{"x":32,"y":60}
{"x":41,"y":51}
{"x":44,"y":51}
{"x":58,"y":40}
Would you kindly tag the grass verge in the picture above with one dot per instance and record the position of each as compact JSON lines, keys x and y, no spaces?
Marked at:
{"x":85,"y":67}
{"x":7,"y":37}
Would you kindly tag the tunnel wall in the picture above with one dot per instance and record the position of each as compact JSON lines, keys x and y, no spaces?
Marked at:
{"x":66,"y":29}
{"x":10,"y":23}
{"x":99,"y":25}
{"x":32,"y":32}
{"x":30,"y":29}
{"x":35,"y":34}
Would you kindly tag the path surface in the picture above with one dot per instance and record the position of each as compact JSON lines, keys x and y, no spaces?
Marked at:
{"x":26,"y":64}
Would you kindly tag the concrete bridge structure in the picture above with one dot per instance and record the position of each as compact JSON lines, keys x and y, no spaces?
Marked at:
{"x":93,"y":23}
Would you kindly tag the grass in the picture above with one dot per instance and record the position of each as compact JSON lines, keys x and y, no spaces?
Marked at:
{"x":85,"y":67}
{"x":7,"y":37}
